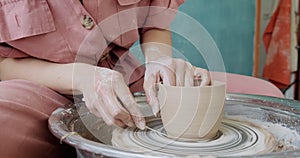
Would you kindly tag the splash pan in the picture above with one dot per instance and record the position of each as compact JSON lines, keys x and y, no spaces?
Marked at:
{"x":254,"y":126}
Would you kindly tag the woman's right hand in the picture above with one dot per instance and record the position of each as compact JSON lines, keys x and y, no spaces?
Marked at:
{"x":104,"y":90}
{"x":107,"y":96}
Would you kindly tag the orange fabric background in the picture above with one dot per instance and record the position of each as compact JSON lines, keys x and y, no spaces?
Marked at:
{"x":277,"y":40}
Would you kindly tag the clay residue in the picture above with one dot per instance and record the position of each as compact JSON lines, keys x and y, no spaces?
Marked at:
{"x":256,"y":140}
{"x":282,"y":146}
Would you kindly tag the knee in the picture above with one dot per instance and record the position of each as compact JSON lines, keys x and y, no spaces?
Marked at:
{"x":24,"y":111}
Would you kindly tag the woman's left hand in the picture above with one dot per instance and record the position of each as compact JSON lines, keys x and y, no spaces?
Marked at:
{"x":173,"y":72}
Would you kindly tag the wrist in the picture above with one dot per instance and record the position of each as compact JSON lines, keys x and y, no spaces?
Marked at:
{"x":153,"y":53}
{"x":83,"y":76}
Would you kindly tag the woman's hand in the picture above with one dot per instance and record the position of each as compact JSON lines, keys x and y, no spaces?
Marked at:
{"x":160,"y":66}
{"x":173,"y":72}
{"x":107,"y":96}
{"x":104,"y":90}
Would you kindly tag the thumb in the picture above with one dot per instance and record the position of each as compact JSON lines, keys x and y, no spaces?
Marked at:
{"x":150,"y":91}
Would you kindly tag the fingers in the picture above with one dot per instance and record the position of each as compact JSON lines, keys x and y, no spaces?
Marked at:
{"x":96,"y":107}
{"x":150,"y":91}
{"x":184,"y":73}
{"x":203,"y":75}
{"x":103,"y":101}
{"x":163,"y":68}
{"x":175,"y":72}
{"x":91,"y":105}
{"x":189,"y":77}
{"x":129,"y":103}
{"x":180,"y":72}
{"x":168,"y":76}
{"x":114,"y":107}
{"x":107,"y":117}
{"x":109,"y":108}
{"x":188,"y":74}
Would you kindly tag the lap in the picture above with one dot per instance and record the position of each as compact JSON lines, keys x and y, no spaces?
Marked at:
{"x":24,"y":111}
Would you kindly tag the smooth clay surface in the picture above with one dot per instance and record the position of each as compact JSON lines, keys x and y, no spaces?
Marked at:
{"x":192,"y":112}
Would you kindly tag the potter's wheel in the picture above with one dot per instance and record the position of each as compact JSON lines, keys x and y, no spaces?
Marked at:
{"x":247,"y":117}
{"x":234,"y":138}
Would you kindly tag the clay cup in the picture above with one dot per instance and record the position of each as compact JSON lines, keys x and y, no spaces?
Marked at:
{"x":193,"y":113}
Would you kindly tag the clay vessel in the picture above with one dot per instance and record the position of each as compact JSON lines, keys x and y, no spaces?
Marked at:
{"x":192,"y":112}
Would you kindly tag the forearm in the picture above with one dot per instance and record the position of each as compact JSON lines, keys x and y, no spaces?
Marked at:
{"x":58,"y":77}
{"x":104,"y":90}
{"x":156,"y":43}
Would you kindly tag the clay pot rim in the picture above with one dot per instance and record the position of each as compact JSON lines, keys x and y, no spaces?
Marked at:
{"x":215,"y":83}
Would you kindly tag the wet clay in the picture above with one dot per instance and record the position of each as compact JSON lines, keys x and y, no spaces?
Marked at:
{"x":235,"y":138}
{"x":192,"y":112}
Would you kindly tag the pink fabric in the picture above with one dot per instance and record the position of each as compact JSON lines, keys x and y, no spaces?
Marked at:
{"x":277,"y":40}
{"x":236,"y":83}
{"x":28,"y":18}
{"x":52,"y":30}
{"x":25,"y":108}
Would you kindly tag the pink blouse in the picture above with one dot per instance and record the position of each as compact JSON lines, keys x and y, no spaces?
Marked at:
{"x":99,"y":32}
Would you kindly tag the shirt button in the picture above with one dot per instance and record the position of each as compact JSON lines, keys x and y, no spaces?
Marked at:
{"x":87,"y":22}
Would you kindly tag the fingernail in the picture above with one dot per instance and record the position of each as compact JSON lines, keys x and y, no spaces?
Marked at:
{"x":142,"y":125}
{"x":155,"y":109}
{"x":155,"y":114}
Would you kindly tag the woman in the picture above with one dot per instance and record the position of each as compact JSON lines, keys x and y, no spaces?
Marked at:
{"x":51,"y":50}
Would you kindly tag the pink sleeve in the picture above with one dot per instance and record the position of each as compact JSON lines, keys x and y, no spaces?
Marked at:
{"x":161,"y":14}
{"x":10,"y":52}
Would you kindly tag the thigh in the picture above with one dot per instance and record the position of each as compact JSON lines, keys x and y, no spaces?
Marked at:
{"x":24,"y":111}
